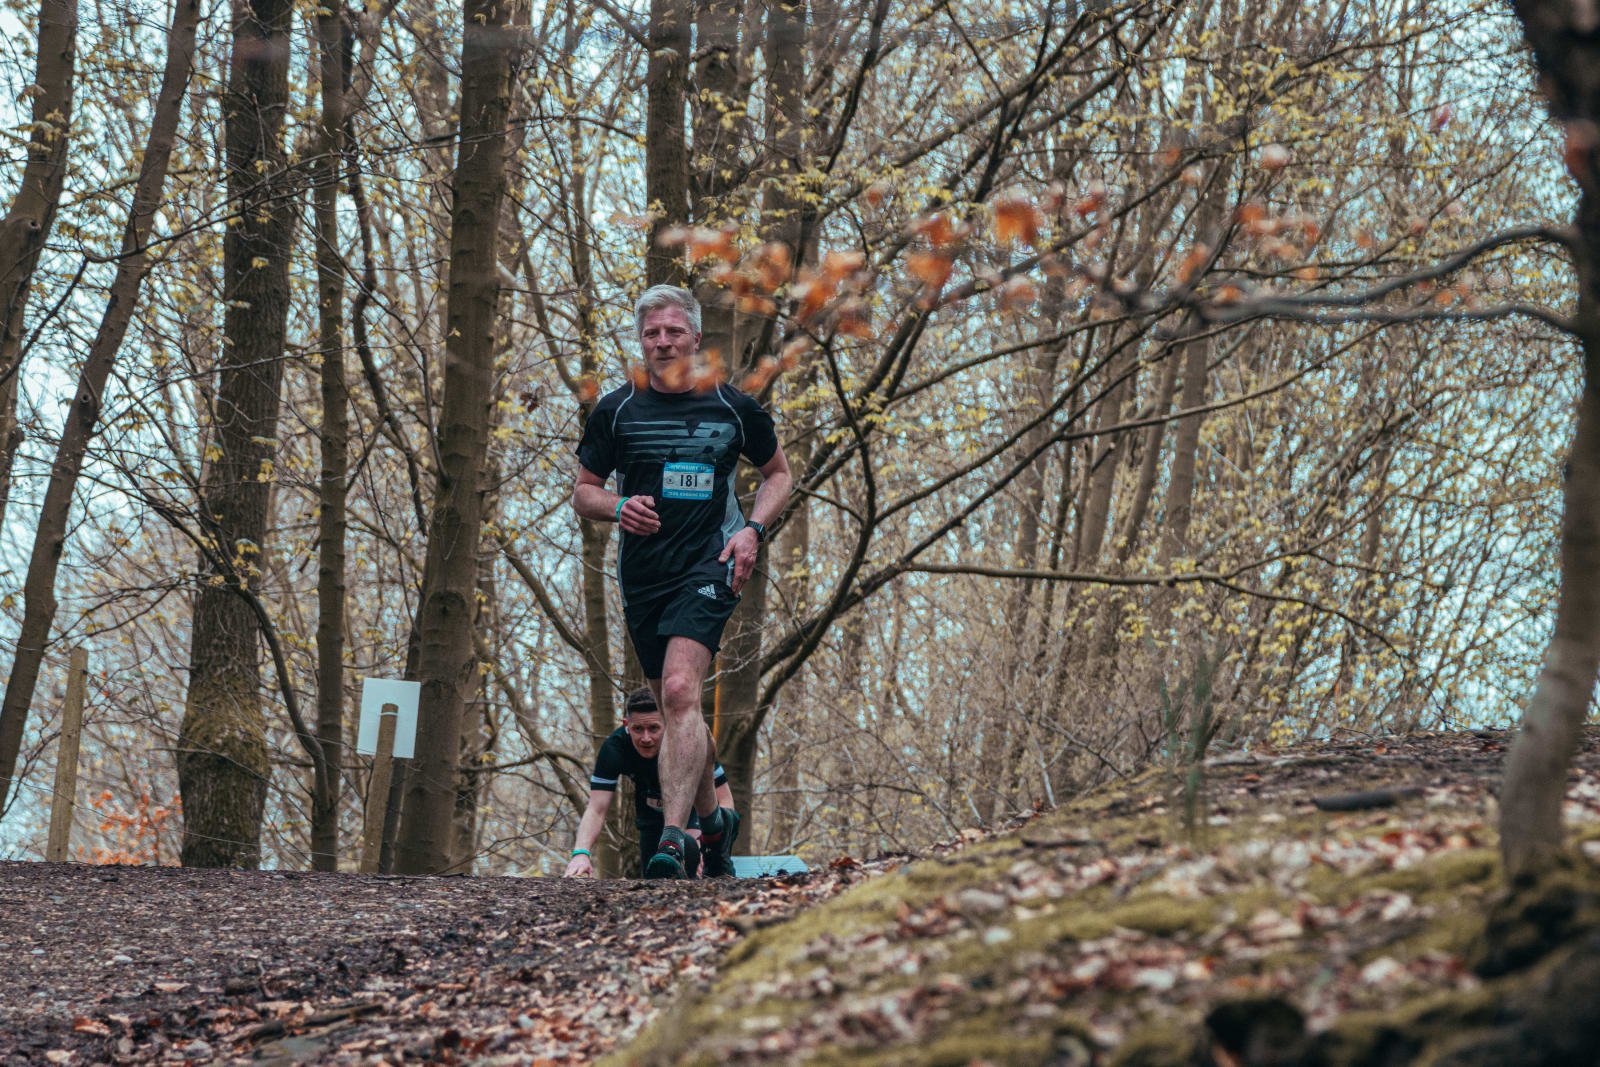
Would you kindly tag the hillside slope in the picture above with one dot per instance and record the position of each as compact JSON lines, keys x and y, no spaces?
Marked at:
{"x":1102,"y":933}
{"x":1106,"y":932}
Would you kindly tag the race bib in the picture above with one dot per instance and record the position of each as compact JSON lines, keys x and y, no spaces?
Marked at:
{"x":687,"y":481}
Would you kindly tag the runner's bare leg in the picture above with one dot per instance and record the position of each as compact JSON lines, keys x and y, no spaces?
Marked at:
{"x":684,"y":743}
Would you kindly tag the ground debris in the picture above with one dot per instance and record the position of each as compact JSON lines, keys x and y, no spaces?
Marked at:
{"x":158,"y":965}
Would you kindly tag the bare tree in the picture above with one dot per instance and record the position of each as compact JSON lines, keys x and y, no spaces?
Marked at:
{"x":1568,"y":60}
{"x":447,"y":665}
{"x":49,"y":542}
{"x":222,"y":759}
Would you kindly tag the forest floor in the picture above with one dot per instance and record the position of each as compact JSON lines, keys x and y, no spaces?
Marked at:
{"x":1103,"y":931}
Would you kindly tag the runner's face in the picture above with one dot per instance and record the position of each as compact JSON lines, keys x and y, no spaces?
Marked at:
{"x":669,"y":344}
{"x":644,"y":729}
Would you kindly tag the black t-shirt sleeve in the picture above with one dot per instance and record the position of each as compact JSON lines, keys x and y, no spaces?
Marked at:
{"x":597,"y":449}
{"x":719,"y":776}
{"x":608,"y":763}
{"x":760,"y":436}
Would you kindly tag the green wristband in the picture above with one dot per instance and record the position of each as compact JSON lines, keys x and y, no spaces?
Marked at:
{"x":583,"y":852}
{"x":621,"y":502}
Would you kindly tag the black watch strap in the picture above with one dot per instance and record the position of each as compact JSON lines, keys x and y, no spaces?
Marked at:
{"x":761,"y":530}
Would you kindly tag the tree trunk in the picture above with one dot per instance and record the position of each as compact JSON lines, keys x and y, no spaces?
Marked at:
{"x":447,"y":666}
{"x":335,"y":440}
{"x":49,"y":542}
{"x":742,"y":710}
{"x":33,"y":210}
{"x":740,"y":684}
{"x":594,"y":537}
{"x":222,"y":749}
{"x":1567,"y":55}
{"x":666,"y":167}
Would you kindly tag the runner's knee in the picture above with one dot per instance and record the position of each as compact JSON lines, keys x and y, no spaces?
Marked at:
{"x":679,"y":694}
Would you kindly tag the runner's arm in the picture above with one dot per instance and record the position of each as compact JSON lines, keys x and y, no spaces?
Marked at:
{"x":776,"y":481}
{"x":725,"y":797}
{"x":776,"y":485}
{"x":594,"y":818}
{"x":592,"y":500}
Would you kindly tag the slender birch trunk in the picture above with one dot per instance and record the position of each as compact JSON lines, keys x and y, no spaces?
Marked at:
{"x":334,"y":438}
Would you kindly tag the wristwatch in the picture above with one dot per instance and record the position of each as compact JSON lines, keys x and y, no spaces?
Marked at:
{"x":761,"y":531}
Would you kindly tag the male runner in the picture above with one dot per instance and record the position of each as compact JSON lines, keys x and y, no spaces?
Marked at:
{"x":631,"y":750}
{"x":687,"y":549}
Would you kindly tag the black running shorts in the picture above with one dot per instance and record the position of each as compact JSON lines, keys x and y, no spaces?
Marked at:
{"x":698,"y":610}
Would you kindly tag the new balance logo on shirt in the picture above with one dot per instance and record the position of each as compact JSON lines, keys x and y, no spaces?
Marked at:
{"x":708,"y":590}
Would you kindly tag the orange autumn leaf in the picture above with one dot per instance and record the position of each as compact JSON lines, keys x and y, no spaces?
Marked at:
{"x":1094,"y":195}
{"x":837,"y":266}
{"x":1016,"y":218}
{"x":759,"y":378}
{"x":1170,"y":155}
{"x":1191,"y":174}
{"x":705,"y":243}
{"x":876,"y":193}
{"x":789,"y":358}
{"x":1198,"y":256}
{"x":587,"y":391}
{"x":773,"y":262}
{"x":1274,"y":157}
{"x":854,"y":326}
{"x":936,"y":229}
{"x":1229,"y":294}
{"x":631,"y":222}
{"x":811,"y":294}
{"x":1017,"y":292}
{"x":640,"y":376}
{"x":930,"y":268}
{"x":1307,"y":273}
{"x":1250,"y":213}
{"x":675,"y":376}
{"x":1364,"y":239}
{"x":762,"y":306}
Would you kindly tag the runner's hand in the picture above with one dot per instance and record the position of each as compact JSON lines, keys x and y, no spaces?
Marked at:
{"x":639,"y":516}
{"x":742,"y":547}
{"x":580,"y":867}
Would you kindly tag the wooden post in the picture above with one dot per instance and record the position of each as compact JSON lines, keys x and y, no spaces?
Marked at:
{"x":61,"y":803}
{"x":378,"y":790}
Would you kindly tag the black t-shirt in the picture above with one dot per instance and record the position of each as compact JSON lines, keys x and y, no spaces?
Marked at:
{"x":618,"y":757}
{"x":681,"y":449}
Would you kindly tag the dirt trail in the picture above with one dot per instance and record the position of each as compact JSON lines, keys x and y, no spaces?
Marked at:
{"x":1072,"y":931}
{"x":151,"y":964}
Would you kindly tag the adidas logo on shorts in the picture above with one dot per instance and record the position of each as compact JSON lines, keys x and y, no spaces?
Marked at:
{"x":708,"y":590}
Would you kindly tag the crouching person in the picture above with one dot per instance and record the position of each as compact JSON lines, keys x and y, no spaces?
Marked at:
{"x":632,"y":750}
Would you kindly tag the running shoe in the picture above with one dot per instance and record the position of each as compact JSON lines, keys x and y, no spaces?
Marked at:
{"x":719,"y":854}
{"x":677,"y":856}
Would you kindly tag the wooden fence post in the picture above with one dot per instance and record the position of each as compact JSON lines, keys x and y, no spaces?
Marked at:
{"x":61,"y":802}
{"x":378,"y":790}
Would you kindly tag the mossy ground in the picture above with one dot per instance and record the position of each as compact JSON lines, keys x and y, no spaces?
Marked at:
{"x":1104,"y":925}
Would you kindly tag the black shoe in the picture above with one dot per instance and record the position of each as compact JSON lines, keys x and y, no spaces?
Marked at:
{"x":677,"y":856}
{"x":719,"y":854}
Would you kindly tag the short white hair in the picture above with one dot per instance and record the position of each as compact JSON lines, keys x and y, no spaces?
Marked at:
{"x":666,"y":296}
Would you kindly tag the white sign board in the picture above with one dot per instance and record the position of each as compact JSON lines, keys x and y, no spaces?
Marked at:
{"x":375,"y":693}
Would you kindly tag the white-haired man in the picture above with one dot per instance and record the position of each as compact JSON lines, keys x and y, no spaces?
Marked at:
{"x":687,"y":548}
